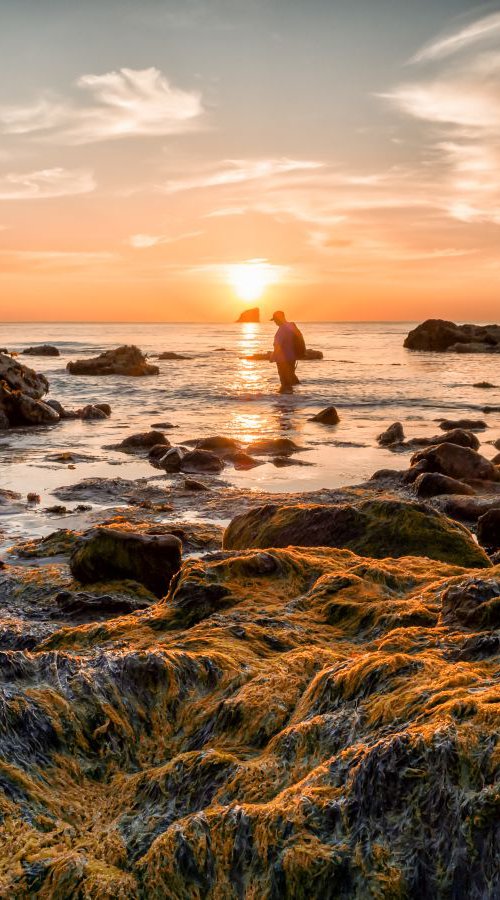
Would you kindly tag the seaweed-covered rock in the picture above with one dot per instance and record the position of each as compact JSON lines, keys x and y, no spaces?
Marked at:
{"x":457,"y":462}
{"x":431,"y":484}
{"x":21,"y":378}
{"x":439,"y":335}
{"x":125,"y":360}
{"x":474,"y":603}
{"x":109,"y":553}
{"x":376,"y":528}
{"x":41,"y":350}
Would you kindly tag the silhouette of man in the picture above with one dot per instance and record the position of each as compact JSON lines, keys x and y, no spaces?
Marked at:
{"x":285,"y":353}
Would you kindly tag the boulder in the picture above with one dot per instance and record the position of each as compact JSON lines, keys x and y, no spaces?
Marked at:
{"x":392,"y":435}
{"x":21,"y":409}
{"x":273,"y":447}
{"x":106,"y":554}
{"x":144,"y":440}
{"x":21,"y":378}
{"x":125,"y":360}
{"x":92,"y":412}
{"x":156,"y":453}
{"x":463,"y":424}
{"x":488,"y":529}
{"x":243,"y":461}
{"x":105,"y":407}
{"x":375,"y":528}
{"x":41,"y":350}
{"x":218,"y":444}
{"x":432,"y":484}
{"x":250,"y":315}
{"x":440,"y":336}
{"x":328,"y":416}
{"x":171,"y":460}
{"x":195,"y":461}
{"x":457,"y":462}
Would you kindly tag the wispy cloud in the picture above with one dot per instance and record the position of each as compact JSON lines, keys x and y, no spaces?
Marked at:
{"x":123,"y":103}
{"x":238,"y":171}
{"x":144,"y":241}
{"x":488,"y":26}
{"x":45,"y":183}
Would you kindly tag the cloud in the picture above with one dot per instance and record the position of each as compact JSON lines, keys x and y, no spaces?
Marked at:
{"x":238,"y":171}
{"x":143,"y":241}
{"x":123,"y":103}
{"x":459,"y":40}
{"x":45,"y":183}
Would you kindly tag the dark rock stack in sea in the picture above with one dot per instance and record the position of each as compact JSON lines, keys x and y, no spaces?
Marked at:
{"x":250,"y":315}
{"x":440,"y":336}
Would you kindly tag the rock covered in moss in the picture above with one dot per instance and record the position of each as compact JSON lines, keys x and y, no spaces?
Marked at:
{"x":109,"y":553}
{"x":124,"y":360}
{"x":376,"y":528}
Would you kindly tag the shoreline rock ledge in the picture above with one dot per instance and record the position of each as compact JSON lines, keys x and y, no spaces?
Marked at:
{"x":440,"y":336}
{"x":125,"y":360}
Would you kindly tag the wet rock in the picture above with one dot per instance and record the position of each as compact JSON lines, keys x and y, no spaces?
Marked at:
{"x":468,"y":509}
{"x":105,"y":407}
{"x":19,"y":377}
{"x":109,"y":553}
{"x":79,"y":605}
{"x":41,"y":350}
{"x":457,"y":462}
{"x":464,"y":424}
{"x":112,"y":490}
{"x":376,"y":528}
{"x":243,"y":461}
{"x":144,"y":440}
{"x":283,"y":461}
{"x":273,"y":447}
{"x":392,"y":435}
{"x":169,"y":354}
{"x":156,"y":453}
{"x":171,"y":460}
{"x":4,"y":422}
{"x":190,"y":484}
{"x":473,"y":603}
{"x":457,"y":436}
{"x":23,"y":409}
{"x":431,"y":484}
{"x":491,"y":409}
{"x":33,"y":497}
{"x":90,"y":412}
{"x":58,"y":407}
{"x":439,"y":335}
{"x":328,"y":416}
{"x":125,"y":360}
{"x":496,"y":460}
{"x":393,"y":475}
{"x":218,"y":444}
{"x":488,"y":529}
{"x":484,"y":384}
{"x":201,"y":461}
{"x":163,"y":425}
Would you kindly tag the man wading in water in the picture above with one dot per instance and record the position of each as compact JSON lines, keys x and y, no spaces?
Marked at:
{"x":289,"y":346}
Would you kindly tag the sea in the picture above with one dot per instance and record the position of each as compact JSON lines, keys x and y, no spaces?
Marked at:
{"x":365,"y":373}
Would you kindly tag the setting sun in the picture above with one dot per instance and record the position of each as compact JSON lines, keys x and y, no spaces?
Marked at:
{"x":251,"y":278}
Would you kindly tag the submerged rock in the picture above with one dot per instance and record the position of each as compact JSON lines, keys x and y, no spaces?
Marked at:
{"x":41,"y":350}
{"x":273,"y":447}
{"x":376,"y":528}
{"x":109,"y":553}
{"x":170,"y":354}
{"x":328,"y":416}
{"x":125,"y":360}
{"x":439,"y":335}
{"x":464,"y":424}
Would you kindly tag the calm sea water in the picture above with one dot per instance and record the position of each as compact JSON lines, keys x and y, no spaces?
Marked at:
{"x":365,"y":373}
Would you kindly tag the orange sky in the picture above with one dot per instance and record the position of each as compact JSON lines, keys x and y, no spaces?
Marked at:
{"x":147,"y":152}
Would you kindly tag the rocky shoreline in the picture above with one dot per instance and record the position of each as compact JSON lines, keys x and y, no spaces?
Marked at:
{"x":213,"y":691}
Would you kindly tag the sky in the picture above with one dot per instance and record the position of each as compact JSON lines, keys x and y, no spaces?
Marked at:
{"x":180,"y":160}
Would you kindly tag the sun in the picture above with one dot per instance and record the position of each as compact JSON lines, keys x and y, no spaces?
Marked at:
{"x":249,"y":279}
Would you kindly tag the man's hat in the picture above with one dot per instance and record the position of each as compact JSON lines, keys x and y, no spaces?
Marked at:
{"x":279,"y":313}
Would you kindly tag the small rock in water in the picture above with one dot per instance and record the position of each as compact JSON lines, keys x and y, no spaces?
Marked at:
{"x":328,"y":416}
{"x":105,"y":407}
{"x":163,"y":425}
{"x":190,"y":484}
{"x":41,"y":350}
{"x":90,"y":412}
{"x":144,"y":440}
{"x":170,"y":354}
{"x":464,"y":424}
{"x":484,"y":384}
{"x":243,"y":461}
{"x":273,"y":447}
{"x":125,"y":360}
{"x":393,"y":435}
{"x":33,"y":498}
{"x":201,"y":461}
